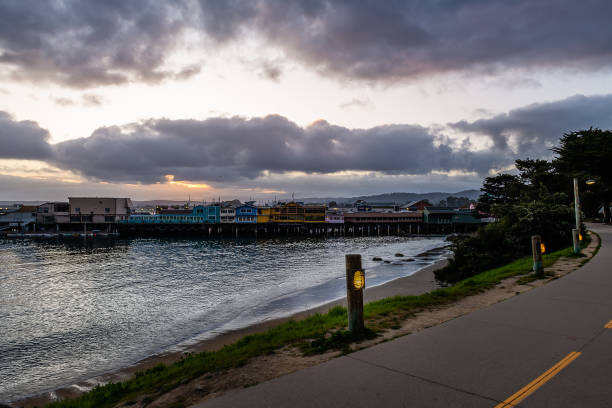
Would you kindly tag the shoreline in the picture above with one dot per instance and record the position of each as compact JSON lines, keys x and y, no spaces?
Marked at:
{"x":420,"y":282}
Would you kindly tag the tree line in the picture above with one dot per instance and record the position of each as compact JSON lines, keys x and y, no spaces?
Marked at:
{"x":537,"y":199}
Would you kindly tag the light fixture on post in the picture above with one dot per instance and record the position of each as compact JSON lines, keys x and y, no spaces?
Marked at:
{"x":358,"y":280}
{"x":355,"y":283}
{"x":576,"y":231}
{"x":576,"y":235}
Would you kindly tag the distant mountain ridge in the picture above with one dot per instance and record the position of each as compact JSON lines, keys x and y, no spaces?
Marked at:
{"x":397,"y":198}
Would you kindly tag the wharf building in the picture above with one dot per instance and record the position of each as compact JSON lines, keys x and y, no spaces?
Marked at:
{"x":22,"y":217}
{"x":200,"y":214}
{"x":53,"y":213}
{"x":79,"y":214}
{"x":228,"y":214}
{"x":99,"y":210}
{"x":246,"y":214}
{"x":235,"y":219}
{"x":305,"y":219}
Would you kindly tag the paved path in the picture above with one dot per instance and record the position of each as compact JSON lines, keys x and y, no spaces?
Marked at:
{"x":554,"y":335}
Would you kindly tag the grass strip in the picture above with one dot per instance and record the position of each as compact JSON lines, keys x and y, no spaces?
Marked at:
{"x":315,"y":334}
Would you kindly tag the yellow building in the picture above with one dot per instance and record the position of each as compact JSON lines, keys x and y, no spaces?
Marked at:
{"x":288,"y":212}
{"x":314,"y":213}
{"x":264,"y":215}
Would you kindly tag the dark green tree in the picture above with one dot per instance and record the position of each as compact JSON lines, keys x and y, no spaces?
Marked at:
{"x":587,"y":154}
{"x":503,"y":189}
{"x":541,"y":175}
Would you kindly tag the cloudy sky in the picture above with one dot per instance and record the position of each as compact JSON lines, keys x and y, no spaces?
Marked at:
{"x":254,"y":98}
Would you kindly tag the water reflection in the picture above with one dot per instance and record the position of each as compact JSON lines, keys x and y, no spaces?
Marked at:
{"x":74,"y":308}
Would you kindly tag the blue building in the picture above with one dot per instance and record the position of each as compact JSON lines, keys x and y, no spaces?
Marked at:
{"x":200,"y":214}
{"x":246,"y":214}
{"x":212,"y":213}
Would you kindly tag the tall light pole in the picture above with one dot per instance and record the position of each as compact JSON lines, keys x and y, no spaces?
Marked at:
{"x":576,"y":231}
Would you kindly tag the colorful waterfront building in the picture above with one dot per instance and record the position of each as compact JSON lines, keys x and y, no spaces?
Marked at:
{"x":314,"y":213}
{"x":264,"y":215}
{"x":200,"y":214}
{"x":334,"y":217}
{"x":246,"y":214}
{"x":415,"y":217}
{"x":291,"y":212}
{"x":228,"y":214}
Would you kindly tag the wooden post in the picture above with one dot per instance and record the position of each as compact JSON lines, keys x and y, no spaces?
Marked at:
{"x":354,"y":293}
{"x":536,"y":249}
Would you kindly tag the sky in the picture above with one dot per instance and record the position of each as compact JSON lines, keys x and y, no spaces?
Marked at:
{"x":255,"y":99}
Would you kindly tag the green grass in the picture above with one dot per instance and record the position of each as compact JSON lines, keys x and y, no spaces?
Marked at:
{"x":315,"y":334}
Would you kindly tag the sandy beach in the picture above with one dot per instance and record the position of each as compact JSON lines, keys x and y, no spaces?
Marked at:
{"x":420,"y":282}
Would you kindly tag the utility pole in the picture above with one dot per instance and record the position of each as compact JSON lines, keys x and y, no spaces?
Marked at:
{"x":576,"y":231}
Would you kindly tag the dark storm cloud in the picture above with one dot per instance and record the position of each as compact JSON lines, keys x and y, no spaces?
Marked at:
{"x":22,"y":140}
{"x":372,"y":39}
{"x":227,"y":149}
{"x":533,"y":129}
{"x":89,"y":42}
{"x":238,"y":150}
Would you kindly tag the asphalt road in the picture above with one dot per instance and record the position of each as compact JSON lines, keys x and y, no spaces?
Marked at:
{"x":548,"y":347}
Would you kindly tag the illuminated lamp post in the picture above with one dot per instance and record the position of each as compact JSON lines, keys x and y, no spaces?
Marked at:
{"x":576,"y":231}
{"x":355,"y":283}
{"x":576,"y":235}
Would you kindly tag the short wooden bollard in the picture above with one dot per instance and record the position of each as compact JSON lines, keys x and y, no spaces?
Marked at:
{"x":355,"y":283}
{"x":536,"y":249}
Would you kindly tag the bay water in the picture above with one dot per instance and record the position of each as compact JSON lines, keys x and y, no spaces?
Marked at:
{"x":71,"y":310}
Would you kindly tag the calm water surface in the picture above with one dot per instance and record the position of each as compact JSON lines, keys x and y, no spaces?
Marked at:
{"x":70,"y":311}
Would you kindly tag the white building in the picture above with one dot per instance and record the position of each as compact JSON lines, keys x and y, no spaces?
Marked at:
{"x":53,"y":213}
{"x":228,"y":214}
{"x":99,"y":210}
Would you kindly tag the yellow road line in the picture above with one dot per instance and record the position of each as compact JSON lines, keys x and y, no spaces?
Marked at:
{"x":538,"y":382}
{"x":608,"y":325}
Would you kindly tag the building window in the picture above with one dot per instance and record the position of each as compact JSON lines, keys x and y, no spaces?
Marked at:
{"x":107,"y":210}
{"x":77,"y":209}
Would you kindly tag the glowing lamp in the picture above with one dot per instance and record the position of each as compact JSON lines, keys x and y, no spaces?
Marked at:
{"x":542,"y":247}
{"x":580,"y":237}
{"x":358,"y":280}
{"x":590,"y":182}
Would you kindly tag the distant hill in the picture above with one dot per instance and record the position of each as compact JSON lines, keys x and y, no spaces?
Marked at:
{"x":24,"y":202}
{"x":397,"y":198}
